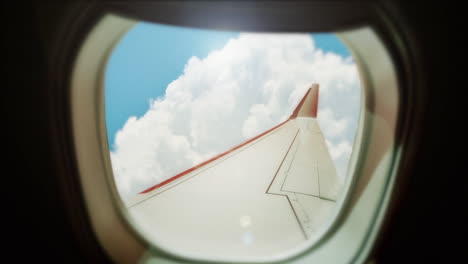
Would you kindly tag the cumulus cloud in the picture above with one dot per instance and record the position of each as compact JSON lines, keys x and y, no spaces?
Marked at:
{"x":331,"y":125}
{"x":250,"y":85}
{"x":340,"y":153}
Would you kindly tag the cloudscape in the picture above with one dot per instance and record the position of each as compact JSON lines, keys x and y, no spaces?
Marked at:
{"x":248,"y":86}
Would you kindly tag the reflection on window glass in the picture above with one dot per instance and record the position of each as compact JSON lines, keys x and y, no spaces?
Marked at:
{"x":215,"y":145}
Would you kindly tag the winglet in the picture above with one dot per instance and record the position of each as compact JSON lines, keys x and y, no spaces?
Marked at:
{"x":308,"y":106}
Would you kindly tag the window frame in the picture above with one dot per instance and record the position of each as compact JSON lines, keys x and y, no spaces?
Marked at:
{"x":135,"y":251}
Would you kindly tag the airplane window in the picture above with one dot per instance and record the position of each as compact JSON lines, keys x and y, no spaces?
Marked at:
{"x":230,"y":144}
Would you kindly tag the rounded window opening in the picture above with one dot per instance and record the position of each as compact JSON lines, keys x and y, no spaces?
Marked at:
{"x":230,"y":145}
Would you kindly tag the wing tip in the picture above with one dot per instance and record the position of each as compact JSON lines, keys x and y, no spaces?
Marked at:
{"x":308,"y":105}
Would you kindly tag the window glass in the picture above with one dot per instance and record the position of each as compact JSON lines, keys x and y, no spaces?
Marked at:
{"x":206,"y":152}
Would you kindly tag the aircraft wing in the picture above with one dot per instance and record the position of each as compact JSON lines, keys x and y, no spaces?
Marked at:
{"x":264,"y":196}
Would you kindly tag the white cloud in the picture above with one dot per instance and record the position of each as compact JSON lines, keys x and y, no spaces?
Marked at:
{"x":339,"y":150}
{"x":340,"y":153}
{"x":331,"y":126}
{"x":250,"y":85}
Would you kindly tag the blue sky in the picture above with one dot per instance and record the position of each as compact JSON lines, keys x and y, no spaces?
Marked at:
{"x":150,"y":56}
